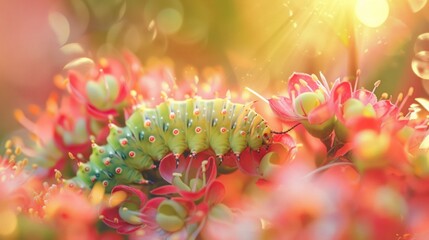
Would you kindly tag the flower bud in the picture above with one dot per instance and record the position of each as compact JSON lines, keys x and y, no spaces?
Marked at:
{"x":171,"y":216}
{"x":306,"y":102}
{"x":370,"y":149}
{"x":269,"y":164}
{"x":321,"y":131}
{"x":221,"y":212}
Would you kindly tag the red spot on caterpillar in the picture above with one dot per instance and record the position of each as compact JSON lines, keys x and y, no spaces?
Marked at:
{"x":198,"y":130}
{"x":152,"y":139}
{"x":172,"y":115}
{"x":105,"y":183}
{"x":118,"y":170}
{"x":106,"y":161}
{"x":176,"y":132}
{"x":223,"y":130}
{"x":223,"y":111}
{"x":123,"y":141}
{"x":147,"y":123}
{"x":196,"y":112}
{"x":132,"y":154}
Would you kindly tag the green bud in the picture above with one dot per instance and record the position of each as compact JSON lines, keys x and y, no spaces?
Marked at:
{"x":221,"y":212}
{"x":341,"y":132}
{"x":171,"y":216}
{"x":196,"y":184}
{"x":269,"y":164}
{"x":95,"y":94}
{"x":321,"y":131}
{"x":178,"y":182}
{"x":355,"y":108}
{"x":111,"y":86}
{"x":306,"y":102}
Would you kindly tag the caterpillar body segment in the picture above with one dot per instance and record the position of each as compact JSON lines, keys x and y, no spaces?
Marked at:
{"x":193,"y":125}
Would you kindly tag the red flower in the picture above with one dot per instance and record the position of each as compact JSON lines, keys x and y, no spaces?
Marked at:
{"x":190,"y":178}
{"x":133,"y":212}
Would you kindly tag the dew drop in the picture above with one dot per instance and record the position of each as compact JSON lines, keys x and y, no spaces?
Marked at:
{"x":422,"y":43}
{"x":420,"y":64}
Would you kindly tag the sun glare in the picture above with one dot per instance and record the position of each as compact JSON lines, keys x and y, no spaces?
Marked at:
{"x":372,"y":13}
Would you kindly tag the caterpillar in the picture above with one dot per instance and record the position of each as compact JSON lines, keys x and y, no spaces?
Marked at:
{"x":192,"y":125}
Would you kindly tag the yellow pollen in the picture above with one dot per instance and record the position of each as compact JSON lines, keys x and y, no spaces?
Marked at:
{"x":103,"y":62}
{"x":71,"y":156}
{"x":400,"y":97}
{"x":297,"y":87}
{"x":314,"y":77}
{"x":8,"y":144}
{"x":410,"y":91}
{"x":377,"y":83}
{"x":303,"y":83}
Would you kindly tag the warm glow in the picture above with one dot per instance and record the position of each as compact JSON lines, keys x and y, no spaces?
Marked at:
{"x":372,"y":13}
{"x":8,"y":222}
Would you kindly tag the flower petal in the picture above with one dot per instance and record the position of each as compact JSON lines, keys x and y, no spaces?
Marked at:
{"x":214,"y":193}
{"x":164,"y":190}
{"x":296,"y":79}
{"x":341,"y":92}
{"x":321,"y":113}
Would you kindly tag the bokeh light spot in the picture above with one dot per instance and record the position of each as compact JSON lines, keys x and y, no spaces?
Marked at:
{"x":60,"y":26}
{"x":372,"y":13}
{"x":422,"y":43}
{"x":420,"y":64}
{"x":82,"y":65}
{"x":8,"y":222}
{"x":417,"y":5}
{"x":169,"y":20}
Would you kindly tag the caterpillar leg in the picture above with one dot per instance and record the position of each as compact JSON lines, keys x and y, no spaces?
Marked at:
{"x":177,"y":157}
{"x":220,"y":157}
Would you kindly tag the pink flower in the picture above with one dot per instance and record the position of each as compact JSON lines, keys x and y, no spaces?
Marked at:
{"x":63,"y":127}
{"x":309,"y":102}
{"x":104,"y":89}
{"x":360,"y":109}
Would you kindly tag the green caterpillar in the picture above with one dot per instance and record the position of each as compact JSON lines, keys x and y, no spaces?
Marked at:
{"x":176,"y":127}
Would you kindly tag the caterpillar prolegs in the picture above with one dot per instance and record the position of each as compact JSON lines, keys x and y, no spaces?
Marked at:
{"x":193,"y":125}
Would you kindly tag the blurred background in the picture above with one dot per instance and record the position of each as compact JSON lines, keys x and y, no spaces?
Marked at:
{"x":257,"y":43}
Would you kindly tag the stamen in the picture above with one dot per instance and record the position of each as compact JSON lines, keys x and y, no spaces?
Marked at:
{"x":305,"y":84}
{"x":376,"y":85}
{"x":357,"y":79}
{"x":204,"y":169}
{"x":71,"y":156}
{"x":257,"y":94}
{"x":58,"y":175}
{"x":409,"y":94}
{"x":297,"y":87}
{"x":325,"y":82}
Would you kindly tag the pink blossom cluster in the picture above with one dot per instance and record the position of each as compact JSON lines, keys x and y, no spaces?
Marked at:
{"x":355,"y":166}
